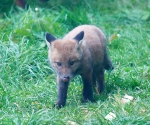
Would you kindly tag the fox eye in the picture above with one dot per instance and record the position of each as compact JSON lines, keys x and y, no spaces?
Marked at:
{"x":58,"y":63}
{"x":72,"y":63}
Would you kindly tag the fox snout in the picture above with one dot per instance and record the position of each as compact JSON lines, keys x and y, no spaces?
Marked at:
{"x":65,"y":78}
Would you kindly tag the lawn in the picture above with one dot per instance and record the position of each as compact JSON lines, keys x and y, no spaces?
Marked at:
{"x":28,"y":87}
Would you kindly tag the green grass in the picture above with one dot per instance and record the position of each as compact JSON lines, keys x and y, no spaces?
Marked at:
{"x":28,"y":87}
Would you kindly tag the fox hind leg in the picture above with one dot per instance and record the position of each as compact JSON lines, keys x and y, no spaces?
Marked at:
{"x":100,"y":81}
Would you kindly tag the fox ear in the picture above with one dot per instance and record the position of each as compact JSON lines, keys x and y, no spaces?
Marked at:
{"x":50,"y":38}
{"x":79,"y":36}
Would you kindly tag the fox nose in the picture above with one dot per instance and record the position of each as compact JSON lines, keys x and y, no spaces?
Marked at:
{"x":66,"y":78}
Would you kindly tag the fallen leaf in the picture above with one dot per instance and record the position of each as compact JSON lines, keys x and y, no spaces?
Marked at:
{"x":127,"y":99}
{"x":110,"y":116}
{"x":71,"y":123}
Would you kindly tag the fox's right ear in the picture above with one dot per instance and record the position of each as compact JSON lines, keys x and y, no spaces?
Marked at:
{"x":79,"y":36}
{"x":50,"y":38}
{"x":79,"y":39}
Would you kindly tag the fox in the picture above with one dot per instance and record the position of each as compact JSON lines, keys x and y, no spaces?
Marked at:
{"x":80,"y":52}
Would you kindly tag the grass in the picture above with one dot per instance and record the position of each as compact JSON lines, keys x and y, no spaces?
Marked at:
{"x":28,"y":87}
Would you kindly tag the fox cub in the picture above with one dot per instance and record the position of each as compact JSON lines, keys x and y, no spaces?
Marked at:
{"x":81,"y":52}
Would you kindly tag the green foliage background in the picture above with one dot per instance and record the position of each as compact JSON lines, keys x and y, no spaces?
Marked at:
{"x":28,"y":88}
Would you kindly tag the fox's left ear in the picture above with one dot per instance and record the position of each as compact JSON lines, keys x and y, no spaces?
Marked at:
{"x":79,"y":36}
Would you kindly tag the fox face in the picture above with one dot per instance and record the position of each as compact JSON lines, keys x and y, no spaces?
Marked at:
{"x":65,"y":55}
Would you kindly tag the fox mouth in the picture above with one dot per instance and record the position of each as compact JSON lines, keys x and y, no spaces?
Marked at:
{"x":66,"y":79}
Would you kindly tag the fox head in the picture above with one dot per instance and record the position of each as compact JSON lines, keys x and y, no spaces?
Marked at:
{"x":65,"y":55}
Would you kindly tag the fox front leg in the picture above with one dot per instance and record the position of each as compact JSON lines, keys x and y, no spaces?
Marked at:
{"x":62,"y":92}
{"x":87,"y":92}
